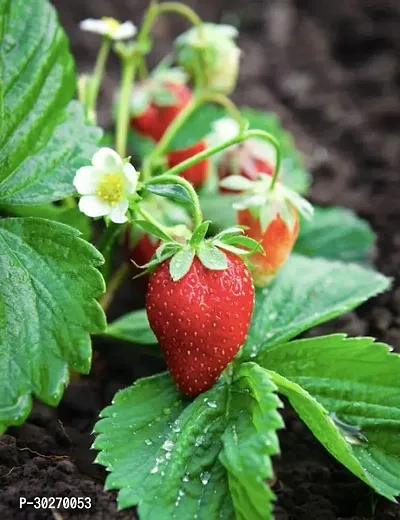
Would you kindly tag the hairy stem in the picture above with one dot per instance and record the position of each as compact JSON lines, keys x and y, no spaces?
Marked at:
{"x":237,"y":139}
{"x":128,"y":75}
{"x":96,"y":79}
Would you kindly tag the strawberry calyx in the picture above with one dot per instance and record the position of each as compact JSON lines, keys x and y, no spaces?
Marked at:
{"x":266,"y":199}
{"x":181,"y":246}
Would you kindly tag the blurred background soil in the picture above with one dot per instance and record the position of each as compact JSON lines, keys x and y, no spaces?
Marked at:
{"x":331,"y":71}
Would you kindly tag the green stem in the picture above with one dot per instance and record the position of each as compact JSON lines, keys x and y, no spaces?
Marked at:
{"x":146,"y":215}
{"x":163,"y":179}
{"x":182,"y":9}
{"x":96,"y":79}
{"x":235,"y":140}
{"x":198,"y":100}
{"x":128,"y":75}
{"x":116,"y":280}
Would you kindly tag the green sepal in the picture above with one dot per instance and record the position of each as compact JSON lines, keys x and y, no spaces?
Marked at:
{"x":200,"y":233}
{"x":153,"y":230}
{"x":180,"y":263}
{"x":212,"y":257}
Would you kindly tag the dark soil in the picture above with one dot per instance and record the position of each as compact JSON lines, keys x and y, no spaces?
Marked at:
{"x":331,"y":71}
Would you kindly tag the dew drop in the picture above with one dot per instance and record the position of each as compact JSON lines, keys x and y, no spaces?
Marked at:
{"x":148,"y":442}
{"x":168,"y":445}
{"x":186,"y":477}
{"x":205,"y":477}
{"x":212,"y":404}
{"x":199,"y":440}
{"x":154,"y":470}
{"x":166,"y":411}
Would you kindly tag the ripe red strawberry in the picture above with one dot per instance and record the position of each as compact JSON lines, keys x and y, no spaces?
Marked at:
{"x":201,"y":320}
{"x":277,"y":241}
{"x":158,"y":115}
{"x":196,"y":174}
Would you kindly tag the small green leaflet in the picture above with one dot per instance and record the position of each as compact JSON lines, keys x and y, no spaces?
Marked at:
{"x":347,"y":388}
{"x":133,"y":327}
{"x":212,"y":257}
{"x":48,"y":306}
{"x":335,"y":233}
{"x":171,"y":191}
{"x":174,"y":457}
{"x":306,"y":292}
{"x":43,"y":137}
{"x":180,"y":263}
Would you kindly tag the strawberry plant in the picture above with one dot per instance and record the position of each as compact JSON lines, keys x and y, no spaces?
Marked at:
{"x":237,"y":270}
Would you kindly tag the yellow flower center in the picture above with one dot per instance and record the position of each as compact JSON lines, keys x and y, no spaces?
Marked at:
{"x":112,"y":23}
{"x":111,"y":188}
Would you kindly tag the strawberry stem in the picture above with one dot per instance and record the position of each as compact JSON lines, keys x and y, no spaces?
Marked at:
{"x":96,"y":79}
{"x":146,"y":215}
{"x":198,"y":99}
{"x":272,"y":140}
{"x":234,"y":140}
{"x":127,"y":79}
{"x":173,"y":179}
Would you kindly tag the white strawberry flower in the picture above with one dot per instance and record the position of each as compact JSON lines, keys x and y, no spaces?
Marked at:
{"x":106,"y":185}
{"x":109,"y":27}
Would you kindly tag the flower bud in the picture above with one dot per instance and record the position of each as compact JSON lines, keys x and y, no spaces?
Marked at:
{"x":210,"y":51}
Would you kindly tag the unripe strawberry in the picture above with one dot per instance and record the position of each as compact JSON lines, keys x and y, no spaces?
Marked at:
{"x":277,"y":241}
{"x":196,"y":174}
{"x":210,"y":50}
{"x":201,"y":320}
{"x":269,"y":213}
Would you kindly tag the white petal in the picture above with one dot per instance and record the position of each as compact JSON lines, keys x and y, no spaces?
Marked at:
{"x":228,"y":30}
{"x":117,"y":213}
{"x":125,"y":30}
{"x":226,"y":128}
{"x":92,"y":206}
{"x":131,"y":176}
{"x":94,"y":26}
{"x":86,"y":180}
{"x":107,"y":160}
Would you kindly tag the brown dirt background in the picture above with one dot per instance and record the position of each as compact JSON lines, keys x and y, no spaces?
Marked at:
{"x":331,"y":70}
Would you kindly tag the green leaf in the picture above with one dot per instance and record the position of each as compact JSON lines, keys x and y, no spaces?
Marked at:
{"x":70,"y":216}
{"x":43,"y":137}
{"x":181,"y":263}
{"x":199,"y":125}
{"x":164,"y":452}
{"x":249,"y":441}
{"x":212,"y":257}
{"x":219,"y":208}
{"x":356,"y":382}
{"x":153,"y":230}
{"x":293,"y":175}
{"x":335,"y":233}
{"x":47,"y":309}
{"x":306,"y":292}
{"x":133,"y":327}
{"x":139,"y":145}
{"x":172,"y":191}
{"x":200,"y":233}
